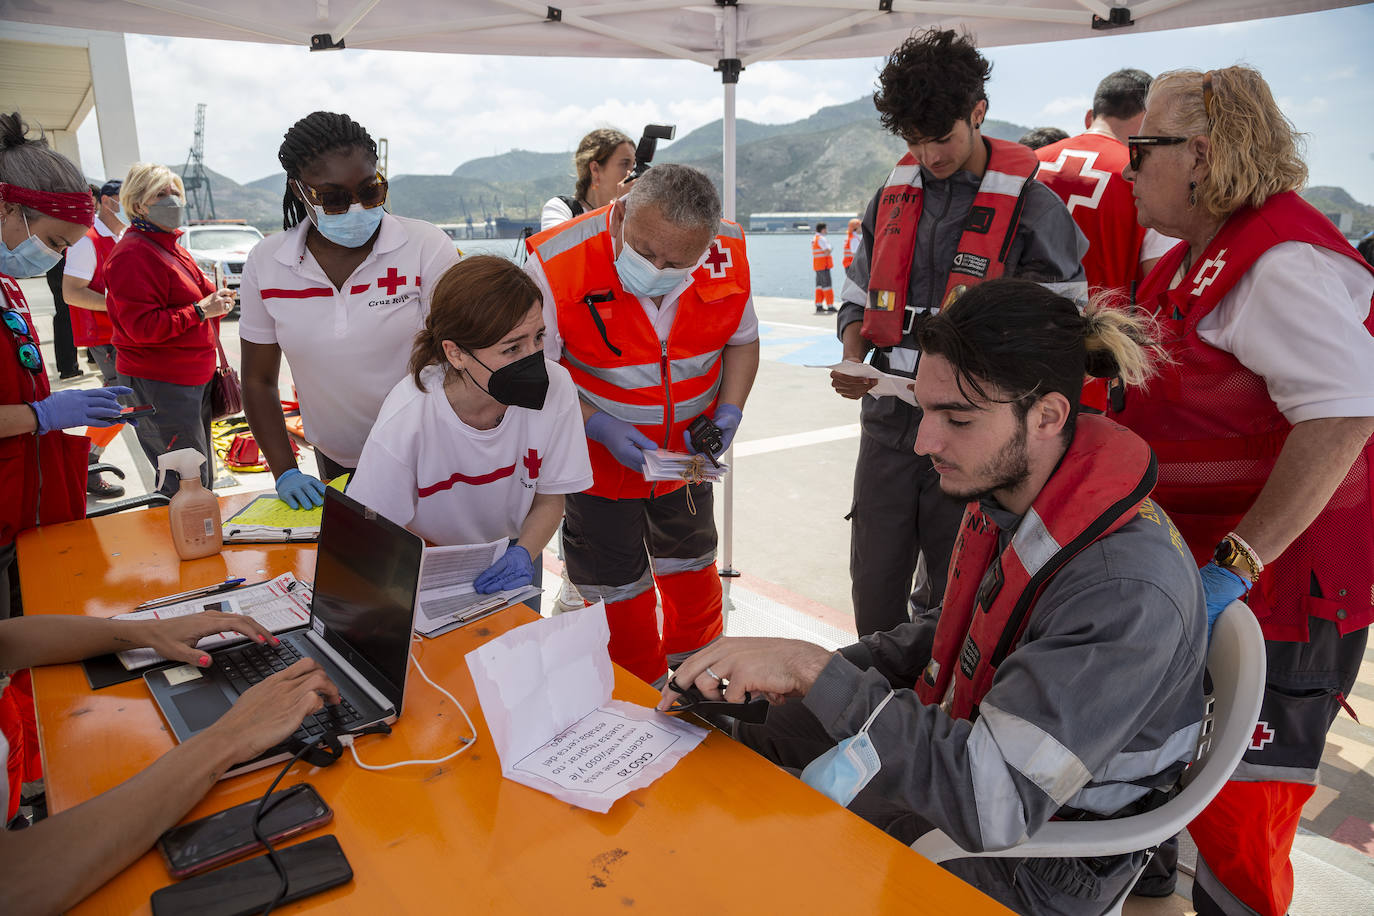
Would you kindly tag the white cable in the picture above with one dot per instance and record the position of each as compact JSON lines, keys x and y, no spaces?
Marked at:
{"x":347,"y":740}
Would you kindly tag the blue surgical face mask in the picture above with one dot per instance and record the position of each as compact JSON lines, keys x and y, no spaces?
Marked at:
{"x":119,"y":214}
{"x":351,"y":228}
{"x":842,"y":772}
{"x":30,"y":258}
{"x":639,"y":276}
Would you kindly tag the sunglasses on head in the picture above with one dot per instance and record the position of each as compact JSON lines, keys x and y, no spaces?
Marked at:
{"x":29,"y":356}
{"x":337,"y":200}
{"x":1139,"y":146}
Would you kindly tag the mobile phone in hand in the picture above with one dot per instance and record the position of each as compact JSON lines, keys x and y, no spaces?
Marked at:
{"x":203,"y":844}
{"x":133,"y":413}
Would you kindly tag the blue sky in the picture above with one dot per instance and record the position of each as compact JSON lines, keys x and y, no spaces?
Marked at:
{"x":438,"y":111}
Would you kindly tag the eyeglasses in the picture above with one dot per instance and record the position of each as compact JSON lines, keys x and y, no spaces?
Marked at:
{"x":337,"y":200}
{"x":29,"y":356}
{"x":1139,"y":146}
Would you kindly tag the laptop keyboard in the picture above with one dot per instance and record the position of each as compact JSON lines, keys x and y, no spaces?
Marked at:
{"x":247,"y":665}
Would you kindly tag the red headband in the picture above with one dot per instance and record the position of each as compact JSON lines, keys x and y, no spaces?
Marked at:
{"x":70,"y":206}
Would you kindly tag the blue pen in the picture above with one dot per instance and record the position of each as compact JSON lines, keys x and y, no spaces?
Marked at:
{"x":227,"y":585}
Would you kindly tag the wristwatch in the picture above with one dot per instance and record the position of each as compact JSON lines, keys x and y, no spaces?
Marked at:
{"x":200,"y":312}
{"x":1235,"y":555}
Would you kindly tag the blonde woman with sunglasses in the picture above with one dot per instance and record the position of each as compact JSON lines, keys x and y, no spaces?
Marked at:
{"x":341,"y":292}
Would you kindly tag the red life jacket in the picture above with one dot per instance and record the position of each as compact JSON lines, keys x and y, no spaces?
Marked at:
{"x":1217,"y":433}
{"x":613,"y":352}
{"x":42,"y":478}
{"x":820,"y":257}
{"x":1101,"y":483}
{"x":983,"y":247}
{"x":93,"y":329}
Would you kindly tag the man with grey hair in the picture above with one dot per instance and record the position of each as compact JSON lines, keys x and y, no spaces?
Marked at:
{"x":647,"y":304}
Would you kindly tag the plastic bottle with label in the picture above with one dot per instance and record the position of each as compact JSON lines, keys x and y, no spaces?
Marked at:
{"x":194,"y":510}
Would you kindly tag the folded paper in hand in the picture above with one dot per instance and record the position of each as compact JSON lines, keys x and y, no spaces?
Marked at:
{"x":448,"y":599}
{"x":888,"y":385}
{"x":665,"y":465}
{"x":545,"y":690}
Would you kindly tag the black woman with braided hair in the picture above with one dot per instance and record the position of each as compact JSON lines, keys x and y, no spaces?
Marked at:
{"x":342,"y":292}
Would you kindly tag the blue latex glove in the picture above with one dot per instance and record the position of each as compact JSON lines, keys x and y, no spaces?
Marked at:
{"x":626,"y":443}
{"x":1221,"y":587}
{"x":79,"y":407}
{"x":727,"y":417}
{"x":300,"y":491}
{"x":514,"y":570}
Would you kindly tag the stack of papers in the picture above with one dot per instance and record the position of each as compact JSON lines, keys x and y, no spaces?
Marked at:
{"x":898,"y":386}
{"x":278,"y":604}
{"x":545,"y":690}
{"x":664,"y":465}
{"x":447,"y":597}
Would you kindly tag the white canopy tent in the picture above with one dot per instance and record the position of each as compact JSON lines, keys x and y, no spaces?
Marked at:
{"x":725,"y":35}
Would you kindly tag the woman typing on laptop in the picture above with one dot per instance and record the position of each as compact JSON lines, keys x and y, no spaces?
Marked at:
{"x":56,"y":863}
{"x":485,"y":437}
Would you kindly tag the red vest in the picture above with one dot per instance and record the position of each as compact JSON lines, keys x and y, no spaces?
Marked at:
{"x":93,"y":329}
{"x":42,"y":478}
{"x":613,"y":352}
{"x":983,"y":247}
{"x":1217,"y":433}
{"x":1099,"y":486}
{"x":820,"y":258}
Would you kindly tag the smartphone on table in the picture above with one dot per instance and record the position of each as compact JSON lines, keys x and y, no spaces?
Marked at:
{"x":190,"y":849}
{"x":248,"y":887}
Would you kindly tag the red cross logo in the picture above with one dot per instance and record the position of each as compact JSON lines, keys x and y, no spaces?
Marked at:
{"x":1084,"y":183}
{"x":1263,"y":735}
{"x":391,"y":281}
{"x":532,"y":463}
{"x":718,"y":259}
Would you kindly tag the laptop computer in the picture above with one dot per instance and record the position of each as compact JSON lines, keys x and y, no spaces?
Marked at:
{"x":362,"y":614}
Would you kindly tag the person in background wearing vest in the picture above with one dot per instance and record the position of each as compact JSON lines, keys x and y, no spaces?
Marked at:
{"x":1094,"y":709}
{"x":851,"y":242}
{"x":83,"y":286}
{"x":603,"y":160}
{"x":822,"y":262}
{"x":647,"y":304}
{"x":1262,"y":427}
{"x":958,"y":209}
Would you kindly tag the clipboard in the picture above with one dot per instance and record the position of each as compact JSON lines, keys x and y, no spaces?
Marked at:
{"x":268,"y":520}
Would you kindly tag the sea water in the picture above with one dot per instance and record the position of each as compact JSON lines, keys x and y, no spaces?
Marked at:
{"x":779,"y":263}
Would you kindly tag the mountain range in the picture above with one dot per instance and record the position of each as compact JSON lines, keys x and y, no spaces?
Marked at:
{"x":831,"y":161}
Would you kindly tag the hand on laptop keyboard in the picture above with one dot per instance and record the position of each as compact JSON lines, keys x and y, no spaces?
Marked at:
{"x":269,"y":711}
{"x":176,"y":637}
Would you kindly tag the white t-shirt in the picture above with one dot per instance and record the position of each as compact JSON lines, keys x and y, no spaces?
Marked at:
{"x":555,"y":211}
{"x":81,"y":256}
{"x":4,"y":778}
{"x":823,"y":242}
{"x":347,"y":347}
{"x":1297,"y":319}
{"x":426,"y":469}
{"x":660,"y":316}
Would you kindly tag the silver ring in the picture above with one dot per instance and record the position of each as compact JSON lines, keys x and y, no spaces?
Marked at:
{"x":714,"y":675}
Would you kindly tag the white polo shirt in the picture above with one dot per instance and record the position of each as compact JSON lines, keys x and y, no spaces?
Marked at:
{"x":81,"y":256}
{"x":661,"y":316}
{"x":426,"y":469}
{"x":347,"y":347}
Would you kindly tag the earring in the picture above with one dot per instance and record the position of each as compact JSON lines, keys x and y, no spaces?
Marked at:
{"x":1192,"y":193}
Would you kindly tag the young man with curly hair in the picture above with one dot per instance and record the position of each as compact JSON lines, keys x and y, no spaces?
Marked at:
{"x":958,"y":209}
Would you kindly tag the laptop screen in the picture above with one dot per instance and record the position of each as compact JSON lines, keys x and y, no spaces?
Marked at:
{"x":367,"y":571}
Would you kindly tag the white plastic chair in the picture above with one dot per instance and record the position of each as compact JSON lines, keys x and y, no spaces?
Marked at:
{"x":1236,"y":662}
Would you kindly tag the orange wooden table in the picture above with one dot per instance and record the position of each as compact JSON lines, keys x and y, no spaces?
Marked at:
{"x":724,"y":832}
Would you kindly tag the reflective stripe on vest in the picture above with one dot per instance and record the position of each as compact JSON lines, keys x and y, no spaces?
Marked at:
{"x":1065,"y":518}
{"x":1218,"y":433}
{"x":983,"y":246}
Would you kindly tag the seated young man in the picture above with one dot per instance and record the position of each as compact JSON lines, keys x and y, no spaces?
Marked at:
{"x":62,"y":859}
{"x":1062,"y":677}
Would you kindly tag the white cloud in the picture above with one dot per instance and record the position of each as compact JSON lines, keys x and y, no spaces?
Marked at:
{"x":1065,"y":105}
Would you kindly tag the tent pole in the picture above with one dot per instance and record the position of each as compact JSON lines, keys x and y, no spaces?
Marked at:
{"x":729,"y":75}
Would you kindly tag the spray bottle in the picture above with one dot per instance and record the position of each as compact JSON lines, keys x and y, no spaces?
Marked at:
{"x":195,"y":510}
